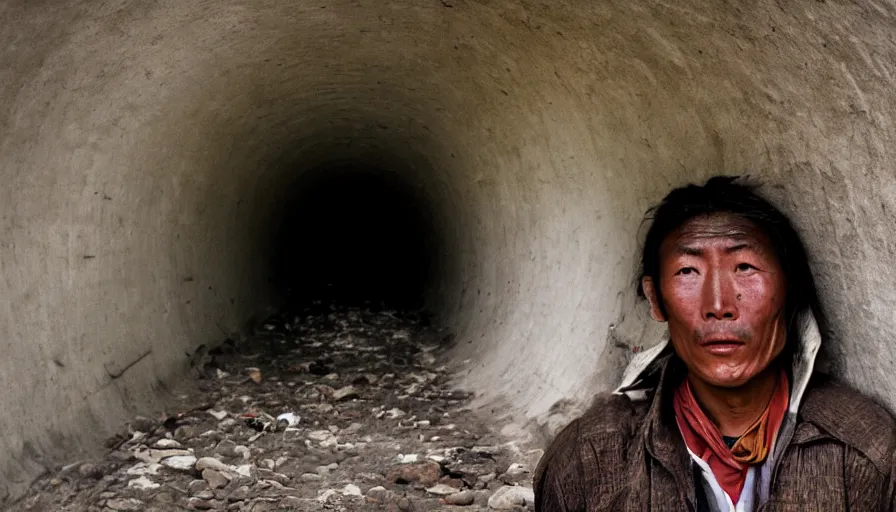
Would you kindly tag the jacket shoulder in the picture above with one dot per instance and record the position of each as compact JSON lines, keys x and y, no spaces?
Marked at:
{"x":592,"y":448}
{"x":612,"y":413}
{"x":852,"y":418}
{"x":607,"y":415}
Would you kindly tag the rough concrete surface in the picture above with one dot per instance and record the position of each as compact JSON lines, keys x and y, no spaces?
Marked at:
{"x":150,"y":149}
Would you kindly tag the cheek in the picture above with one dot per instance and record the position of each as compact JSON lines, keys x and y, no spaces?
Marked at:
{"x":681,"y":297}
{"x":760,"y":296}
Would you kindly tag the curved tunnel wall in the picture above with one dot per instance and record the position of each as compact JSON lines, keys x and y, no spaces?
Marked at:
{"x":149,"y":150}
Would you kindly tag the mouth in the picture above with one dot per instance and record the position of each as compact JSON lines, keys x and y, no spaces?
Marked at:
{"x":721,"y":345}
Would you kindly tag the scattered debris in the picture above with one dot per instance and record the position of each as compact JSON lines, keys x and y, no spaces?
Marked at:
{"x":380,"y":429}
{"x":288,"y":419}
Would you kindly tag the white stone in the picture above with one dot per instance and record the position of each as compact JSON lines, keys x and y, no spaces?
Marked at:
{"x":516,"y":470}
{"x":245,"y":470}
{"x":158,"y":455}
{"x":291,"y":419}
{"x":142,"y":483}
{"x":319,"y":435}
{"x":211,"y":463}
{"x":345,"y":393}
{"x":144,"y":468}
{"x":395,"y":413}
{"x":352,"y":490}
{"x":167,"y":443}
{"x":326,"y":495}
{"x":180,"y":462}
{"x":509,"y":497}
{"x":408,"y":459}
{"x":441,"y":490}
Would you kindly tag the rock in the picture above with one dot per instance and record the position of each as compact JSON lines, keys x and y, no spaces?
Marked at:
{"x":186,"y":432}
{"x":144,"y":468}
{"x":197,"y":486}
{"x":211,"y":463}
{"x":346,"y":393}
{"x":395,"y":413}
{"x":167,"y":443}
{"x":214,"y":478}
{"x":516,"y":470}
{"x":371,"y":477}
{"x":206,"y":494}
{"x":460,"y":499}
{"x":153,"y":455}
{"x":121,"y":456}
{"x":292,"y":502}
{"x":200,"y":504}
{"x":379,"y":493}
{"x":320,"y":435}
{"x":351,"y":490}
{"x":486,"y":478}
{"x":408,"y":459}
{"x":242,"y":451}
{"x":311,"y":477}
{"x":142,"y":483}
{"x":268,"y":474}
{"x":92,"y":471}
{"x":424,"y":473}
{"x":226,"y":448}
{"x":354,"y":428}
{"x":219,"y":415}
{"x":480,"y":498}
{"x":441,"y":490}
{"x":288,"y":419}
{"x":246,"y":470}
{"x":180,"y":462}
{"x":124,"y":504}
{"x":325,"y":496}
{"x":239,"y":494}
{"x":510,"y":497}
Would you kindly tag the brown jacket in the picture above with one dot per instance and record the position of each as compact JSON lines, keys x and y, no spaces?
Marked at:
{"x":626,"y":456}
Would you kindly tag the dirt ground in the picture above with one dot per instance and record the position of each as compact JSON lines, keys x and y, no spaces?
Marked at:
{"x":325,"y":409}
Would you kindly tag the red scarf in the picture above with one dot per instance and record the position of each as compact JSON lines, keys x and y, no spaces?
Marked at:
{"x":703,"y":438}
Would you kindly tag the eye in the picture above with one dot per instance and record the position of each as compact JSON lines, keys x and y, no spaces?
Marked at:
{"x":686,"y":271}
{"x":743,"y":267}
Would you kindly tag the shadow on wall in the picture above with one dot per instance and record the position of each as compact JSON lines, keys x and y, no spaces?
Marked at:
{"x":352,"y":234}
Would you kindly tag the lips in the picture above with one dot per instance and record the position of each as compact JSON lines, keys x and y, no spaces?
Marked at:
{"x":721,"y":345}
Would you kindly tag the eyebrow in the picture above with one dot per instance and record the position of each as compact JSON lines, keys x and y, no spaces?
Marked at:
{"x":696,"y":251}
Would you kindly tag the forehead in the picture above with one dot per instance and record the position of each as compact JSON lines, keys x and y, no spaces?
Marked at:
{"x":723,"y":230}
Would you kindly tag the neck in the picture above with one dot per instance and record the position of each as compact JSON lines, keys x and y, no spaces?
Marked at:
{"x":734,"y":410}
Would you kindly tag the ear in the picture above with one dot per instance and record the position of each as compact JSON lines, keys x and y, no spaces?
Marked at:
{"x":650,"y":293}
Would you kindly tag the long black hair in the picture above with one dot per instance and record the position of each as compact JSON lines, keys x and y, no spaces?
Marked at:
{"x":736,"y":196}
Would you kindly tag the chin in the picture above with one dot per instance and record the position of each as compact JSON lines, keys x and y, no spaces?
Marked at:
{"x":727,"y":380}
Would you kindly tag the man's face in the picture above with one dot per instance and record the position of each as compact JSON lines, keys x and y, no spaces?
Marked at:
{"x":723,"y":290}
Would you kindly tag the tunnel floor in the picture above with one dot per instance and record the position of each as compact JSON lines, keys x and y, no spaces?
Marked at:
{"x":375,"y":426}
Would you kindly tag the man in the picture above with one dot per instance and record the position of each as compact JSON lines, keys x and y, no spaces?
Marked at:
{"x":735,"y":419}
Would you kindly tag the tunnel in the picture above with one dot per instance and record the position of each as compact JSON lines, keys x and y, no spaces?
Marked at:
{"x":173,"y":171}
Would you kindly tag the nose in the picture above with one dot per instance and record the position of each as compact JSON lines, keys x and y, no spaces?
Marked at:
{"x":719,"y":297}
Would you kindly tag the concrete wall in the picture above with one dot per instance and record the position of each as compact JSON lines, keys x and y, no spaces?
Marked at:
{"x":145,"y":148}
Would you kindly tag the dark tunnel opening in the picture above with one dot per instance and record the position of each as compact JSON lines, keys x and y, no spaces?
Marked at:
{"x":354,"y":236}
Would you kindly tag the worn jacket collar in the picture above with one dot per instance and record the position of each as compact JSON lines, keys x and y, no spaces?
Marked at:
{"x":637,"y":377}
